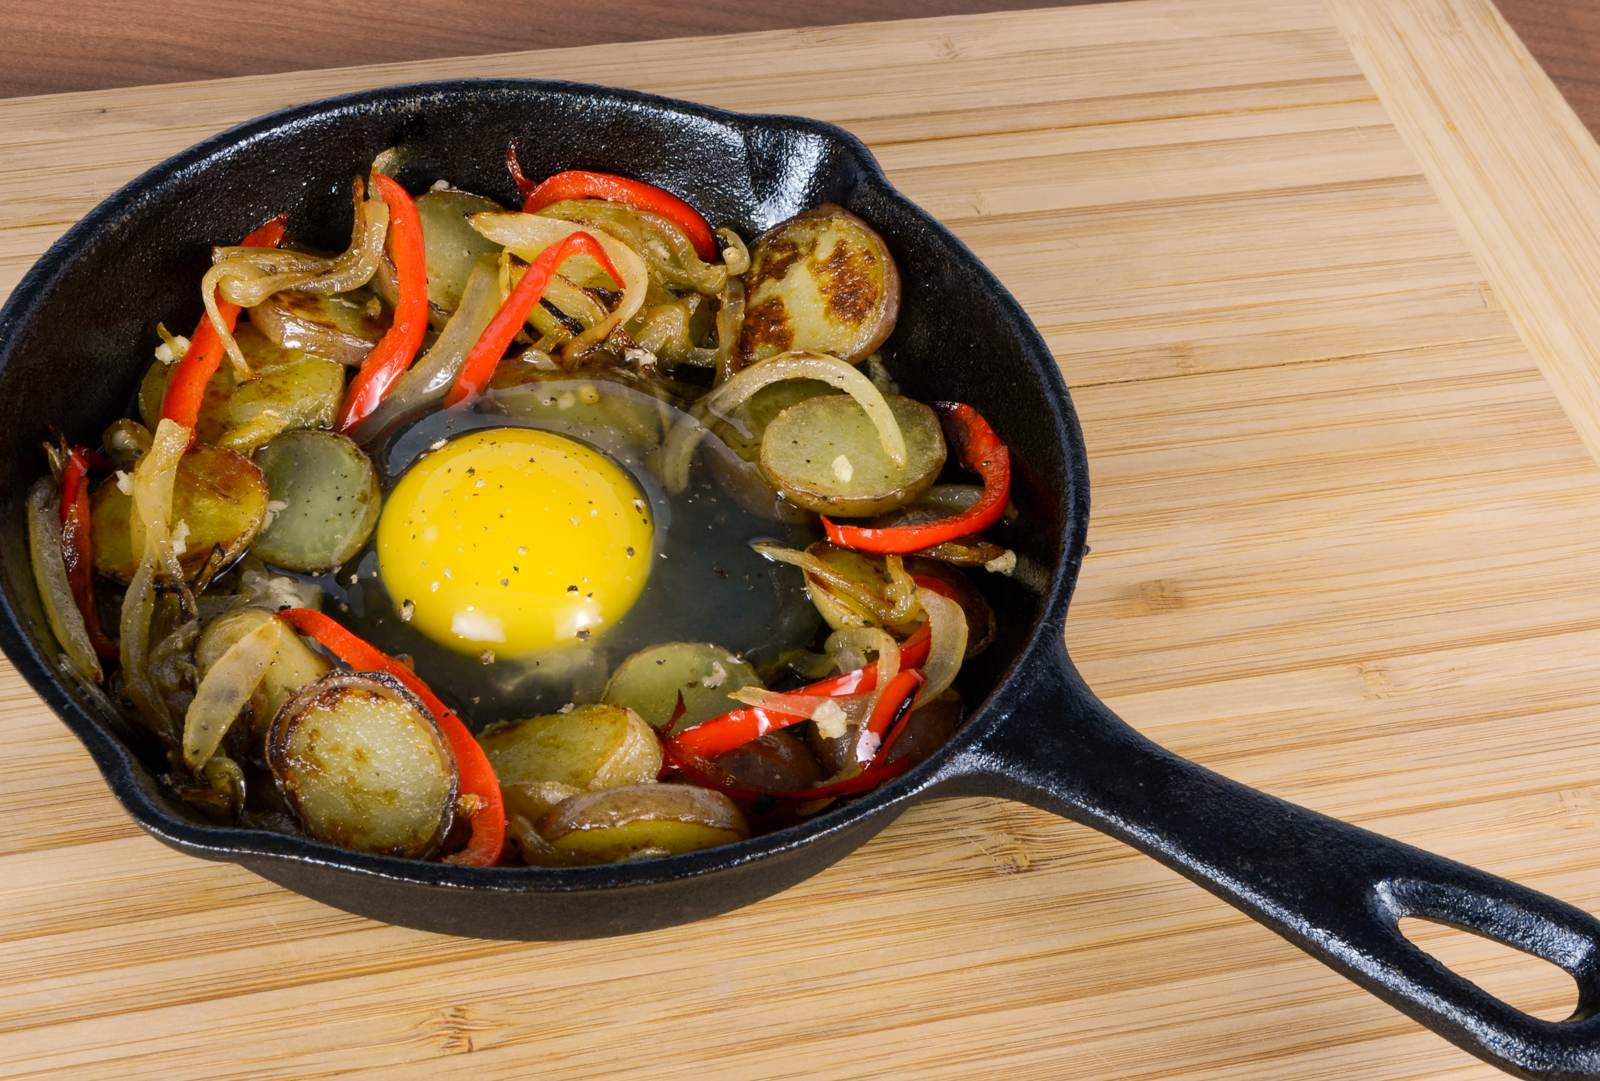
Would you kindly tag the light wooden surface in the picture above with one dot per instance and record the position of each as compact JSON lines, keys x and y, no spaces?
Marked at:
{"x":212,"y":39}
{"x":1342,"y":550}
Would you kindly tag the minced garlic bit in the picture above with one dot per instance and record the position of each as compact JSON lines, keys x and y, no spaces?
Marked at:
{"x":830,"y":720}
{"x":275,"y":507}
{"x":172,"y":347}
{"x":440,"y":185}
{"x":1004,"y":563}
{"x":639,"y":357}
{"x":566,"y":400}
{"x":407,"y":610}
{"x":486,"y":657}
{"x":125,"y":482}
{"x":180,"y":536}
{"x":589,"y":394}
{"x":568,"y":708}
{"x":867,"y":749}
{"x":718,"y":676}
{"x":843,"y":470}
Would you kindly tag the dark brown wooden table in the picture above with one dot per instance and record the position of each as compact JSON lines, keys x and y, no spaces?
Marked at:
{"x":48,"y":46}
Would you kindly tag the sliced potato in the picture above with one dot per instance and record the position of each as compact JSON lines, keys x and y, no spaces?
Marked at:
{"x":642,"y":820}
{"x":451,"y":244}
{"x":825,"y":455}
{"x":733,"y":451}
{"x":590,"y":747}
{"x":291,"y":390}
{"x":532,"y":800}
{"x":650,"y":681}
{"x":777,"y":762}
{"x":363,"y":765}
{"x":342,"y":327}
{"x":220,"y":496}
{"x":295,"y":665}
{"x":329,"y":492}
{"x":743,"y":427}
{"x":823,"y":281}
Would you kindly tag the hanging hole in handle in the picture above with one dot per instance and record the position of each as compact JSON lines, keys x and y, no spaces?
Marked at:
{"x":1531,"y":984}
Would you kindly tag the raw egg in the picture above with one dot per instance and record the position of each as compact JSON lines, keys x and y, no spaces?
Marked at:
{"x":514,"y":541}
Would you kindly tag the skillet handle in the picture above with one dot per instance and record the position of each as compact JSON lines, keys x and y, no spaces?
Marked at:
{"x":1335,"y":890}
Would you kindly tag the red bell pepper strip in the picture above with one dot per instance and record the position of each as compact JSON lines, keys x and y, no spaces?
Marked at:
{"x":77,"y":549}
{"x":389,"y":359}
{"x":186,"y":390}
{"x":737,"y":727}
{"x":900,"y":715}
{"x":477,"y":776}
{"x":581,"y":184}
{"x":894,"y":703}
{"x":981,"y":452}
{"x":484,"y":357}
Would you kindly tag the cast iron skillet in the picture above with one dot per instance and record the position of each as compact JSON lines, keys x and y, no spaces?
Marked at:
{"x":76,"y":335}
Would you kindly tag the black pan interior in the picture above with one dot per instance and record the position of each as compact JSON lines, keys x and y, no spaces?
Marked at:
{"x":78,"y":332}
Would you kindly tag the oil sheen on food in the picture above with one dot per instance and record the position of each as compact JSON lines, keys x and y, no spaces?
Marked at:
{"x":527,"y":547}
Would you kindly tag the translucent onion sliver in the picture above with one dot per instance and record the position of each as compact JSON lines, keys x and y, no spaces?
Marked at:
{"x":947,"y":647}
{"x":153,"y":481}
{"x":225,"y":690}
{"x":431,"y":376}
{"x":50,"y":576}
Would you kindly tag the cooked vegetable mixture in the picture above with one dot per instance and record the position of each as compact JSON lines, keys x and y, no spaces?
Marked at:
{"x":571,"y":534}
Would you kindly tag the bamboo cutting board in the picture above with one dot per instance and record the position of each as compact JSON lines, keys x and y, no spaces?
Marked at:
{"x":1326,"y":282}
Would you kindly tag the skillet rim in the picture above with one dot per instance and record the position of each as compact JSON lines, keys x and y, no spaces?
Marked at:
{"x":127,"y":777}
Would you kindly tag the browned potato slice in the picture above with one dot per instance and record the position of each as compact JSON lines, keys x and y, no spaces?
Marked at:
{"x":291,"y":390}
{"x":651,"y":681}
{"x":590,"y":747}
{"x":824,"y":454}
{"x":363,"y":765}
{"x":326,"y":493}
{"x":294,"y":666}
{"x":220,"y":496}
{"x":341,"y":328}
{"x":642,"y":820}
{"x":777,"y":762}
{"x":823,"y":281}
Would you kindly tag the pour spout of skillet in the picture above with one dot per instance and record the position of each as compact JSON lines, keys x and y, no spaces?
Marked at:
{"x":1335,"y":890}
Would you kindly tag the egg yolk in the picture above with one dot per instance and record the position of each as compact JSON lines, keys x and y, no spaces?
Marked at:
{"x":514,"y":540}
